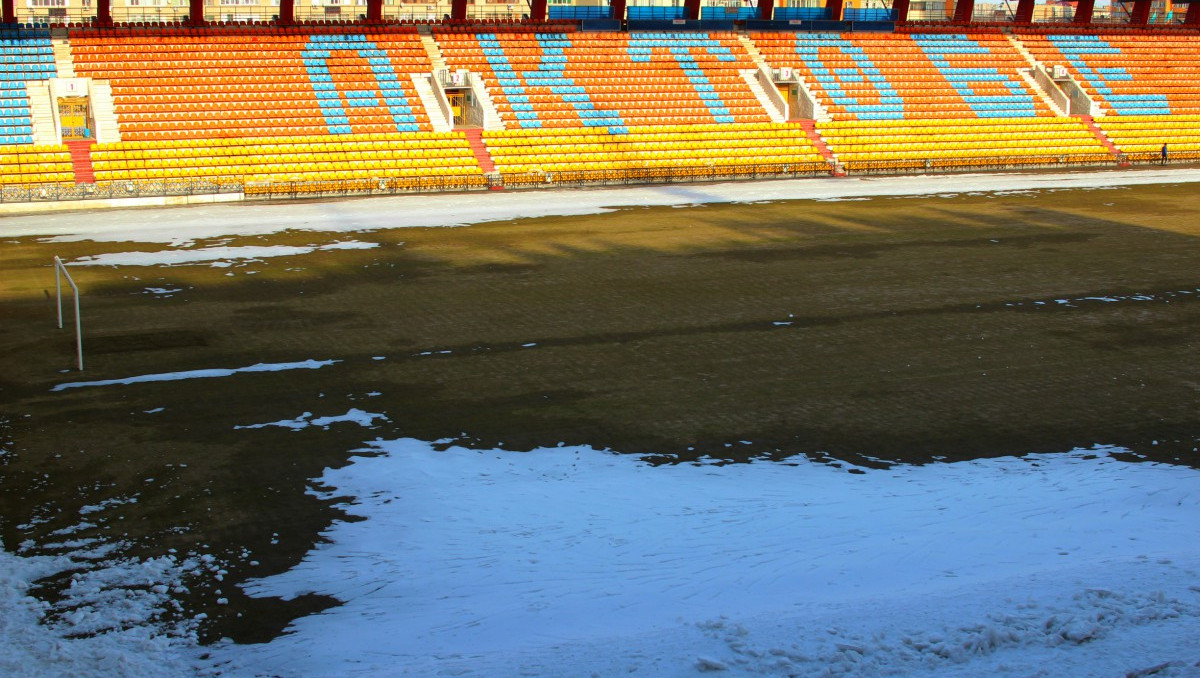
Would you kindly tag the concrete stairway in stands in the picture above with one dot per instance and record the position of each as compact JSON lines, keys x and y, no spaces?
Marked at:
{"x":483,"y":98}
{"x":432,"y":48}
{"x":751,"y":78}
{"x":1103,"y":138}
{"x":64,"y":62}
{"x":810,"y":131}
{"x":81,"y":158}
{"x":429,"y":98}
{"x":1027,"y":75}
{"x":42,"y":110}
{"x":752,"y":49}
{"x":104,"y":112}
{"x":475,"y":140}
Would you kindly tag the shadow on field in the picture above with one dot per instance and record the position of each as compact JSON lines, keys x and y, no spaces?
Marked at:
{"x":858,"y":333}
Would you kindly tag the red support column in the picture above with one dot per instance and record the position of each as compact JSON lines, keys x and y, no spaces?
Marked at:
{"x":1141,"y":13}
{"x":537,"y":11}
{"x":1024,"y":12}
{"x":9,"y":11}
{"x":104,"y":13}
{"x":963,"y":11}
{"x":287,"y":12}
{"x":374,"y":11}
{"x":833,"y":9}
{"x":1193,"y":15}
{"x":458,"y":10}
{"x":766,"y":9}
{"x":691,"y":10}
{"x":617,"y":10}
{"x":1083,"y":12}
{"x":900,"y":9}
{"x":196,"y":13}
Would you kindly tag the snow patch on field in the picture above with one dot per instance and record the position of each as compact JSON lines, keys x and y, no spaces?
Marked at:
{"x":181,"y":227}
{"x":578,"y":562}
{"x":215,"y":256}
{"x":109,"y":622}
{"x":199,"y":374}
{"x":1110,"y":299}
{"x":572,"y":561}
{"x":352,"y":416}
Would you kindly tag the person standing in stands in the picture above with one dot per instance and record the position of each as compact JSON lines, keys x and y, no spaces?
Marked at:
{"x":1164,"y":154}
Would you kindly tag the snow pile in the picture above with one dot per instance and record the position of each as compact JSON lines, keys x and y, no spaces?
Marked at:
{"x":352,"y":416}
{"x":1025,"y":632}
{"x":211,"y":373}
{"x":109,"y":622}
{"x":220,"y":257}
{"x":182,"y":227}
{"x":576,"y":562}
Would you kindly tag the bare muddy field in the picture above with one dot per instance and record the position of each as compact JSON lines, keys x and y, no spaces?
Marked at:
{"x":891,"y":329}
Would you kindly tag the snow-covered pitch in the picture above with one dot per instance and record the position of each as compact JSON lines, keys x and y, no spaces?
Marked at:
{"x":575,"y":562}
{"x":578,"y":562}
{"x":566,"y":562}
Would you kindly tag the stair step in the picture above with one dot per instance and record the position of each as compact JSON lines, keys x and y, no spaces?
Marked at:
{"x":437,"y":120}
{"x":103,"y":113}
{"x":81,"y":159}
{"x":810,"y":131}
{"x":764,"y":99}
{"x":479,"y":148}
{"x":752,"y":49}
{"x":1034,"y":65}
{"x":434,"y":52}
{"x":42,"y":112}
{"x":64,"y":63}
{"x":1102,"y":138}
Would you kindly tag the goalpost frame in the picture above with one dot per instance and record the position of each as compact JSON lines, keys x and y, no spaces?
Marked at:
{"x":60,"y":270}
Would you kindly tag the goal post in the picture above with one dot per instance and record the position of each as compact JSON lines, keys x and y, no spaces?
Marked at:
{"x":60,"y":272}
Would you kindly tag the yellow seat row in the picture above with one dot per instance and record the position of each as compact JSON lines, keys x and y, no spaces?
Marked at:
{"x":30,"y":165}
{"x":35,"y":178}
{"x":420,"y":155}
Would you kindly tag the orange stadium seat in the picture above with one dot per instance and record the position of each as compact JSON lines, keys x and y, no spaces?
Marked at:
{"x":329,"y":103}
{"x":609,"y":80}
{"x":615,"y":102}
{"x":922,"y":101}
{"x":1142,"y":92}
{"x":269,"y":105}
{"x":274,"y":82}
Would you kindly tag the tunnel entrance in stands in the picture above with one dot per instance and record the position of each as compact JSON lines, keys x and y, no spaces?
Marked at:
{"x":74,"y":114}
{"x":458,"y":107}
{"x":465,"y":109}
